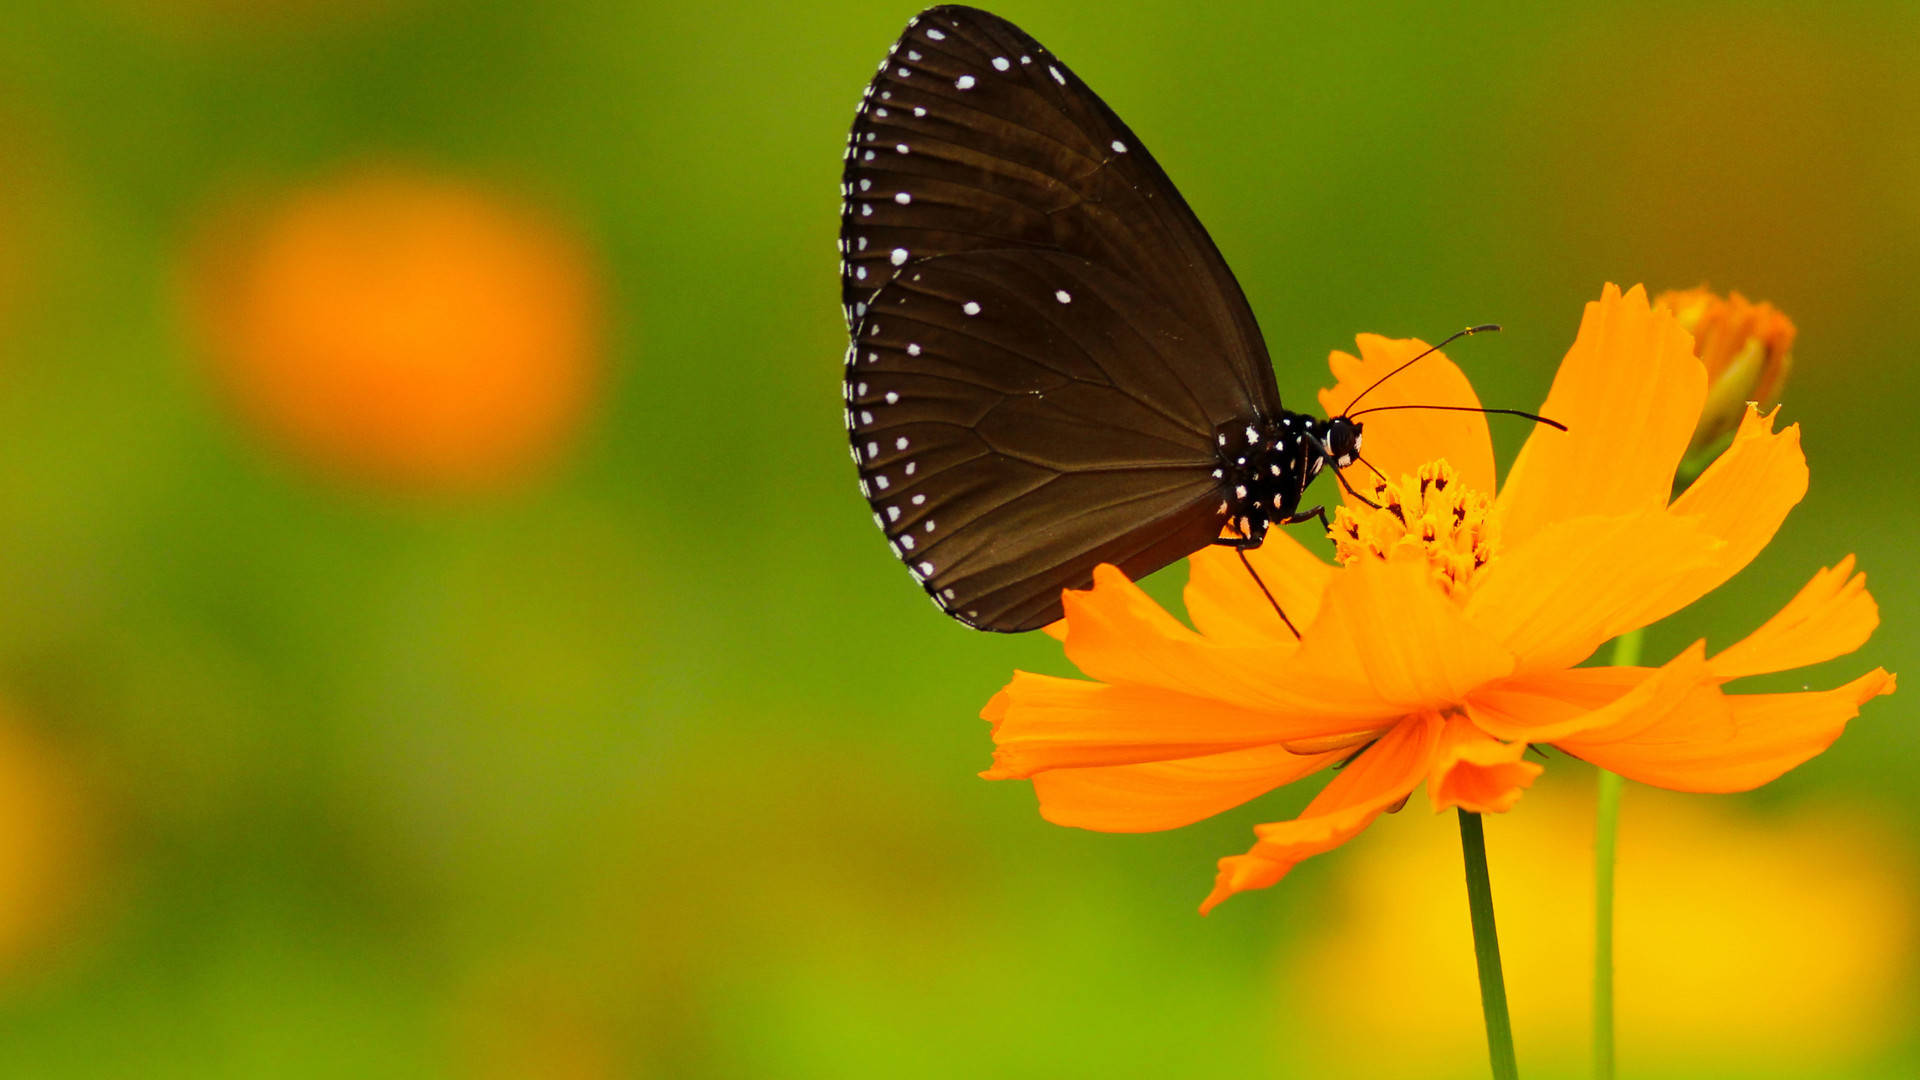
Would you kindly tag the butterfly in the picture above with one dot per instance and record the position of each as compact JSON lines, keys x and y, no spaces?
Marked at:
{"x":1050,"y":365}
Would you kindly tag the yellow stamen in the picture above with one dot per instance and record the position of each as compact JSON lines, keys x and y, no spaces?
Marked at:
{"x":1430,"y":511}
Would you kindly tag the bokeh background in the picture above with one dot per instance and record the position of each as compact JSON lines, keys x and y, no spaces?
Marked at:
{"x":442,"y":636}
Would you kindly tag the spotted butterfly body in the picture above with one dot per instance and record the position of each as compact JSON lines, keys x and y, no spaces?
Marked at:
{"x":1050,"y":364}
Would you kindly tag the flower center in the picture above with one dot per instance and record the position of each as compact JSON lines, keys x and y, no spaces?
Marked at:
{"x":1451,"y":524}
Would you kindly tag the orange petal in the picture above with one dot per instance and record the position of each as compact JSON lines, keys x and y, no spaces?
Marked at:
{"x":1831,"y":616}
{"x":1629,"y":391}
{"x":1227,"y":606}
{"x":1741,"y":498}
{"x":1388,"y":625}
{"x":1377,"y":779}
{"x":1041,"y":722}
{"x":1400,"y":441}
{"x":1769,"y":734}
{"x":1168,"y":794}
{"x":1117,"y":634}
{"x":1577,"y":583}
{"x":1476,"y":772}
{"x":1551,"y":706}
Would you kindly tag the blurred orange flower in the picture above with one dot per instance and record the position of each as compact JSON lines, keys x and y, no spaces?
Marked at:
{"x":1446,"y":640}
{"x":1747,"y":349}
{"x":414,"y":332}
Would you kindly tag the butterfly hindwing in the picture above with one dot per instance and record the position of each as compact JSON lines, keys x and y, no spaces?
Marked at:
{"x":1018,"y":418}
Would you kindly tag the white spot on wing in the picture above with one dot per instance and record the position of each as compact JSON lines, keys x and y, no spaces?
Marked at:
{"x":970,"y":308}
{"x":902,"y":197}
{"x":899,"y":256}
{"x":1057,"y":77}
{"x":964,"y":82}
{"x":1119,"y":147}
{"x":1000,"y":63}
{"x":1063,"y":296}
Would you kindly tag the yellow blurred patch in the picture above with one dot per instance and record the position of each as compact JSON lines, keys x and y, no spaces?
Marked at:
{"x":1744,"y":946}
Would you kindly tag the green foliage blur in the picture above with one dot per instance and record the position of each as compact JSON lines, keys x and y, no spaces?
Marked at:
{"x":656,"y":764}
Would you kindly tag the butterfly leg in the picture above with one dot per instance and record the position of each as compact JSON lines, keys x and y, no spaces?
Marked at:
{"x":1240,"y":546}
{"x":1264,"y":591}
{"x":1299,"y":516}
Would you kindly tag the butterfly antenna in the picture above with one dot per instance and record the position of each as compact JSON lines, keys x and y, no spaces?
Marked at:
{"x":1431,"y":349}
{"x":1264,"y":591}
{"x":1536,"y":418}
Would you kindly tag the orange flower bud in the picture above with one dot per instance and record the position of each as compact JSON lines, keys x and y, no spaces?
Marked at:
{"x":1748,"y":350}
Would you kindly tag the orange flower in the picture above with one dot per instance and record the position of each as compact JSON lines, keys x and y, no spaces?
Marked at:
{"x":1445,"y":641}
{"x":1747,"y":349}
{"x":415,"y":332}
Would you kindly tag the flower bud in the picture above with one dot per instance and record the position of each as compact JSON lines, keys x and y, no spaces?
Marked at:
{"x":1748,"y":351}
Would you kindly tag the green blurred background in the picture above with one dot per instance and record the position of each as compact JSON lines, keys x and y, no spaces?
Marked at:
{"x":647,"y":760}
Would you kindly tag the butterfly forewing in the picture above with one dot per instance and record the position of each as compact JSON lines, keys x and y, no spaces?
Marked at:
{"x":1045,"y":339}
{"x":973,"y":135}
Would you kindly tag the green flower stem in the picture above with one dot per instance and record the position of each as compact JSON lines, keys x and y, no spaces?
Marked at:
{"x":1606,"y":834}
{"x":1486,"y":949}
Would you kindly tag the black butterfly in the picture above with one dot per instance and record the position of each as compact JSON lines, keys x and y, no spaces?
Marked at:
{"x":1051,"y":366}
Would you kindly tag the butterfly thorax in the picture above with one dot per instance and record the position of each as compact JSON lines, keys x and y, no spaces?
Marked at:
{"x":1264,"y":465}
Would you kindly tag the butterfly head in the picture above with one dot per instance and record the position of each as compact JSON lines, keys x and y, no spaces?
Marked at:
{"x":1340,"y":442}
